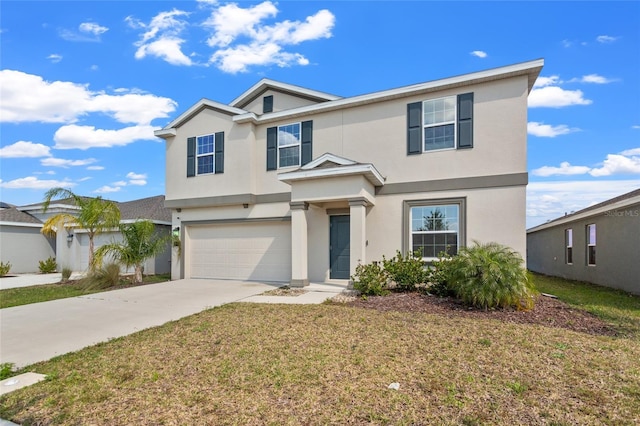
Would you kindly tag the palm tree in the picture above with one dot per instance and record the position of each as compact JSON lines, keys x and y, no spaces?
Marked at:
{"x":139,"y":244}
{"x":95,"y":216}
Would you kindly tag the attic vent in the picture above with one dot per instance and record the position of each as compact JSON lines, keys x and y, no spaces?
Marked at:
{"x":267,"y":104}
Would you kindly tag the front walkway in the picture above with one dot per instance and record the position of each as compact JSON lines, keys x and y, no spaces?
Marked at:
{"x":27,"y":280}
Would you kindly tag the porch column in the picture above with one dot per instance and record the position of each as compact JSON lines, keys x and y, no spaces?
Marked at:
{"x":358,"y":237}
{"x":299,"y":267}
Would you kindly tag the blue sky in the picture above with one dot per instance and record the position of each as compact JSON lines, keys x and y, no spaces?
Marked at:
{"x":83,"y":84}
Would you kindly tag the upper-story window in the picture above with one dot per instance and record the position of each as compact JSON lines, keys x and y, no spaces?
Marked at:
{"x":205,"y":154}
{"x":440,"y":123}
{"x":289,"y":145}
{"x":439,"y":118}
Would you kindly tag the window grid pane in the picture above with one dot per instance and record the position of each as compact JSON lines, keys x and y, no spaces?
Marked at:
{"x":205,"y":148}
{"x":205,"y":164}
{"x":289,"y":145}
{"x":434,"y":230}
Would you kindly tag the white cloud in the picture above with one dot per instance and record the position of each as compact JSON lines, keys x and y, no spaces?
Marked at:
{"x":107,"y":189}
{"x":54,"y":58}
{"x":87,"y":31}
{"x":547,"y":81}
{"x":32,"y":182}
{"x":548,"y":131}
{"x":25,"y":149}
{"x":138,"y":182}
{"x":234,"y":60}
{"x":617,"y":165}
{"x":635,"y":127}
{"x":556,"y":97}
{"x":120,"y":183}
{"x":564,"y":169}
{"x":59,"y":162}
{"x":551,"y":200}
{"x":230,"y":21}
{"x":92,"y":28}
{"x":479,"y":53}
{"x":162,"y":37}
{"x":606,"y":39}
{"x":95,"y":168}
{"x":629,"y":152}
{"x":85,"y":137}
{"x":29,"y":98}
{"x":592,"y":78}
{"x":132,"y":175}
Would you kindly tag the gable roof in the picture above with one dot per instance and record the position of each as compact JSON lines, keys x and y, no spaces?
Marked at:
{"x":267,"y":84}
{"x":327,"y":102}
{"x":620,"y":201}
{"x":331,"y":165}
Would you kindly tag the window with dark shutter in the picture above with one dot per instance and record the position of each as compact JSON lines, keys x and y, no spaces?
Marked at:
{"x":414,"y":128}
{"x":267,"y":104}
{"x":465,"y":120}
{"x":191,"y":157}
{"x":272,"y":148}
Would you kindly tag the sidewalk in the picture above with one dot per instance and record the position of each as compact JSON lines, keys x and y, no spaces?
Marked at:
{"x":27,"y":280}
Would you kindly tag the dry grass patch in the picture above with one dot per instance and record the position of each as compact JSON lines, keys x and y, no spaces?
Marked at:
{"x":329,"y":364}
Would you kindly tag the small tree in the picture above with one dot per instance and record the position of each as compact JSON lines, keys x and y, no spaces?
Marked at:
{"x":140,"y":242}
{"x":95,"y":216}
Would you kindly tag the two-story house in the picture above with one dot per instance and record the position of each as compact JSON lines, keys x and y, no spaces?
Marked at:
{"x":294,"y":185}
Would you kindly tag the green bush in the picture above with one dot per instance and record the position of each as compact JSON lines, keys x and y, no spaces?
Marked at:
{"x":488,"y":276}
{"x":370,"y":280}
{"x":437,"y":277}
{"x":405,"y":272}
{"x":4,"y":268}
{"x":6,"y":370}
{"x":48,"y":266}
{"x":66,"y":274}
{"x":102,"y":278}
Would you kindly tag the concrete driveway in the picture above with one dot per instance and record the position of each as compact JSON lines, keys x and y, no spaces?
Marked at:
{"x":40,"y":331}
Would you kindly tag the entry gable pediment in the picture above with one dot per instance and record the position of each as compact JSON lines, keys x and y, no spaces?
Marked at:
{"x":330,"y":165}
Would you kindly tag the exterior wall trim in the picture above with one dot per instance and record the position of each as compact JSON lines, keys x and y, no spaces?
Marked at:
{"x":227,"y":200}
{"x":480,"y":182}
{"x":236,"y":220}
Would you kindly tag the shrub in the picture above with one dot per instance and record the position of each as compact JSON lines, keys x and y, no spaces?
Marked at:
{"x":4,"y":268}
{"x":437,"y":277}
{"x":406,"y":272}
{"x":488,"y":276}
{"x":48,"y":266}
{"x":6,"y":370}
{"x":102,"y":278}
{"x":66,"y":274}
{"x":370,"y":280}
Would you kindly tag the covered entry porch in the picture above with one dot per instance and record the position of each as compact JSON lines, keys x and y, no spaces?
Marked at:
{"x":330,"y":194}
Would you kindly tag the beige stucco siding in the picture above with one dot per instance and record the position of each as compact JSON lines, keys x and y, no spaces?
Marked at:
{"x":281,"y":102}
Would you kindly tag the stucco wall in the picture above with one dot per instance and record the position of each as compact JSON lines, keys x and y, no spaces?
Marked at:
{"x":24,"y":247}
{"x":617,"y":250}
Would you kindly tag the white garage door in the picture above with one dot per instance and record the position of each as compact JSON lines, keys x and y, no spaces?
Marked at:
{"x":250,"y":251}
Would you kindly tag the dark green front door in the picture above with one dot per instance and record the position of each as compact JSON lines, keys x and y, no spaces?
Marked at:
{"x":339,"y":247}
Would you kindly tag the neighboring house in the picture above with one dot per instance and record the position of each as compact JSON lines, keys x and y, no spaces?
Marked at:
{"x":70,"y":246}
{"x":599,"y":244}
{"x":294,"y":185}
{"x":21,"y":242}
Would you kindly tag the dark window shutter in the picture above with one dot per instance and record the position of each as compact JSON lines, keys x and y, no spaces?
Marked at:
{"x":465,"y":120}
{"x":272,"y":148}
{"x":267,"y":104}
{"x":219,"y":143}
{"x":414,"y":128}
{"x":306,"y":142}
{"x":191,"y":157}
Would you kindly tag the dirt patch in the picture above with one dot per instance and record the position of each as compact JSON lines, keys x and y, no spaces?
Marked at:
{"x":285,"y":291}
{"x":547,"y":311}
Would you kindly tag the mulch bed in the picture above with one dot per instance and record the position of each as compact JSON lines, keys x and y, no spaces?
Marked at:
{"x":547,"y":311}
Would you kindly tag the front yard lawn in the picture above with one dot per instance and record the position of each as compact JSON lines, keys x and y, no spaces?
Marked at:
{"x":43,"y":293}
{"x":332,"y":364}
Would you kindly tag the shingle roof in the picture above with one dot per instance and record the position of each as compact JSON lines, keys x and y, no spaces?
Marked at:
{"x":151,"y":208}
{"x":614,"y":200}
{"x":11,"y":214}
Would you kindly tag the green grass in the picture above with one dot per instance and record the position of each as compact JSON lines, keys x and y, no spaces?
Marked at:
{"x":616,"y":307}
{"x":46,"y":292}
{"x":251,"y":364}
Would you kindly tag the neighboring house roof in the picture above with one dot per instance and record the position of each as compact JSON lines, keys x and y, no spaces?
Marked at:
{"x":11,"y":214}
{"x":620,"y":201}
{"x":327,"y":102}
{"x":151,"y":208}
